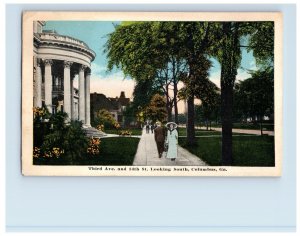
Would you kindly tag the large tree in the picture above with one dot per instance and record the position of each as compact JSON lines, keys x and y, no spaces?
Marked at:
{"x":255,"y":96}
{"x":144,"y":51}
{"x":156,"y":111}
{"x":209,"y":95}
{"x":229,"y":56}
{"x":261,"y":41}
{"x":198,"y":41}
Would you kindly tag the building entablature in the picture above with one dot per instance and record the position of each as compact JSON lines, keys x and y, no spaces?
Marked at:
{"x":55,"y":42}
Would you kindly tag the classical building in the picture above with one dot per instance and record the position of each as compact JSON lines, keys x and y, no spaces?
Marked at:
{"x":57,"y":59}
{"x":116,"y":106}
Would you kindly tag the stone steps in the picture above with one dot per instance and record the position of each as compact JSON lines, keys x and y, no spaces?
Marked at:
{"x":93,"y":132}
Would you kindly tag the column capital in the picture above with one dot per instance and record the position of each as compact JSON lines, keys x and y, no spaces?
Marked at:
{"x":82,"y":67}
{"x":48,"y":62}
{"x":39,"y":62}
{"x":67,"y":64}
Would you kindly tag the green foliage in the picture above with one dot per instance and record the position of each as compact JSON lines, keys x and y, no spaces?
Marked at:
{"x":93,"y":148}
{"x":262,"y":43}
{"x":230,"y":53}
{"x":143,"y":92}
{"x":40,"y":127}
{"x":196,"y":84}
{"x":58,"y":121}
{"x":199,"y":132}
{"x":129,"y":48}
{"x":149,"y":53}
{"x":145,"y":51}
{"x":129,"y":115}
{"x":158,"y":51}
{"x":133,"y":131}
{"x":247,"y":150}
{"x":156,"y":111}
{"x":229,"y":56}
{"x":254,"y":97}
{"x":57,"y":130}
{"x":40,"y":113}
{"x":56,"y":138}
{"x":75,"y":142}
{"x":203,"y":89}
{"x":110,"y":154}
{"x":104,"y":117}
{"x":181,"y":118}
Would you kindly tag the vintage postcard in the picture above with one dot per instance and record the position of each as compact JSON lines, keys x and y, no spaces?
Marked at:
{"x":152,"y":93}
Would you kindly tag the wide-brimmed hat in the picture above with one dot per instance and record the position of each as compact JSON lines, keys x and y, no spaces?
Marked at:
{"x":173,"y":123}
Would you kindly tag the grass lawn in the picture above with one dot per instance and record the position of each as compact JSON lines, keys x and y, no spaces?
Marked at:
{"x":199,"y":132}
{"x":247,"y":150}
{"x":113,"y":151}
{"x":266,"y":126}
{"x":204,"y":132}
{"x":134,"y":131}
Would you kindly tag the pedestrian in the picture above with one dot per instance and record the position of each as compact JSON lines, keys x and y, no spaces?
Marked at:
{"x":159,"y":136}
{"x":172,"y":140}
{"x":152,"y":128}
{"x":147,"y":128}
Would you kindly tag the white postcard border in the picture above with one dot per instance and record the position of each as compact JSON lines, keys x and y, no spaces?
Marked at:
{"x":27,"y":93}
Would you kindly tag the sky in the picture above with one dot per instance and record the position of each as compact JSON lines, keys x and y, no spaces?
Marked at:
{"x":94,"y":34}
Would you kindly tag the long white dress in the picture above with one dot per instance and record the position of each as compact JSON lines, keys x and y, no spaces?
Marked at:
{"x":172,"y":140}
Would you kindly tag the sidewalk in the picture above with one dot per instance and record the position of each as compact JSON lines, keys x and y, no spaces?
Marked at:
{"x":147,"y":155}
{"x":116,"y":136}
{"x":241,"y":131}
{"x":247,"y":131}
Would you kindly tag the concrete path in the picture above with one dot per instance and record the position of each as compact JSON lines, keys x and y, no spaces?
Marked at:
{"x":147,"y":155}
{"x":116,"y":135}
{"x":248,"y":131}
{"x":241,"y":131}
{"x":219,"y":135}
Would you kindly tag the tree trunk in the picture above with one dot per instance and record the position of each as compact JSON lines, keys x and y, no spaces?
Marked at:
{"x":226,"y":113}
{"x":168,"y":105}
{"x":261,"y":128}
{"x":170,"y":112}
{"x":229,"y":65}
{"x":175,"y":102}
{"x":190,"y":128}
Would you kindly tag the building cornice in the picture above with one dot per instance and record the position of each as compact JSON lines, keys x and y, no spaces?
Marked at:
{"x":62,"y":41}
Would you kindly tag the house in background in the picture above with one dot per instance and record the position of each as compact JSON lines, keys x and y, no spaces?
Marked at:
{"x":116,"y":106}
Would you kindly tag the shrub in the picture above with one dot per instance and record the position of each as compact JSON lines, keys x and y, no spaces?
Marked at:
{"x":94,"y":146}
{"x":105,"y":118}
{"x":117,"y":125}
{"x":41,"y":126}
{"x":56,"y":138}
{"x":75,"y":141}
{"x":36,"y":152}
{"x":125,"y":133}
{"x":100,"y":127}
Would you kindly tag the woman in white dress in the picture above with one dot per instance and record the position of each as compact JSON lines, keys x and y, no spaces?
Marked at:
{"x":172,"y":141}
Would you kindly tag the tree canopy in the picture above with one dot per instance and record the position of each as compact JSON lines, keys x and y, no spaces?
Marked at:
{"x":160,"y":54}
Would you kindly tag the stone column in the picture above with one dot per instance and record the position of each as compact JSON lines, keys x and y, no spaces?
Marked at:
{"x":72,"y":99}
{"x":67,"y":88}
{"x":48,"y":84}
{"x":81,"y":94}
{"x":38,"y":84}
{"x":87,"y":99}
